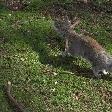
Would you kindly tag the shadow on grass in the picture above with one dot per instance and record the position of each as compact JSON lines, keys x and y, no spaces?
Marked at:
{"x":66,"y":63}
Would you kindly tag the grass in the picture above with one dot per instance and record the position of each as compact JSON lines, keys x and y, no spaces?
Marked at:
{"x":42,"y":80}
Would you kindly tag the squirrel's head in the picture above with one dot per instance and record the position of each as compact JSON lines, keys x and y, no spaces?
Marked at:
{"x":62,"y":22}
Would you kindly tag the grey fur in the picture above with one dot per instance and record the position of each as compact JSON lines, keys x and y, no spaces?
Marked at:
{"x":84,"y":46}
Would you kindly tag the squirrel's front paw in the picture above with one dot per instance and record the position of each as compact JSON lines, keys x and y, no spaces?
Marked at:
{"x":101,"y":73}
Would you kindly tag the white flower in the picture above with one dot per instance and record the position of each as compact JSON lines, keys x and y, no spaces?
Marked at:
{"x":56,"y":82}
{"x":54,"y":73}
{"x":28,"y":31}
{"x":55,"y":55}
{"x":10,"y":14}
{"x":22,"y":59}
{"x":44,"y":80}
{"x":53,"y":89}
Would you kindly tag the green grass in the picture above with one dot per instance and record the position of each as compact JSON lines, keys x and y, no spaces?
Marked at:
{"x":42,"y":80}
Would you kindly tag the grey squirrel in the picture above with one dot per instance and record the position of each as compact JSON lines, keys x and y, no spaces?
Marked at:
{"x":84,"y":46}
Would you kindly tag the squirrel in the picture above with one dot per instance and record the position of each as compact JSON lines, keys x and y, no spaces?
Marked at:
{"x":80,"y":45}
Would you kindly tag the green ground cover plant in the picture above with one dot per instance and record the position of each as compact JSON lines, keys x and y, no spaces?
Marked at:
{"x":42,"y":80}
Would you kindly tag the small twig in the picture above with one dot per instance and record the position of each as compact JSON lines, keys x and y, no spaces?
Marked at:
{"x":13,"y":101}
{"x":75,"y":24}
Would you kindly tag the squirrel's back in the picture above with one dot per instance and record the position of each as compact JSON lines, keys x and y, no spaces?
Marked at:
{"x":86,"y":47}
